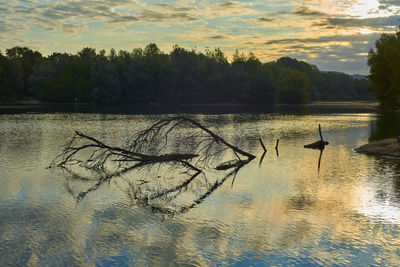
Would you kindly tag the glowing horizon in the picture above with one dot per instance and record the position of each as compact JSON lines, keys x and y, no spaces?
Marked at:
{"x":334,"y":35}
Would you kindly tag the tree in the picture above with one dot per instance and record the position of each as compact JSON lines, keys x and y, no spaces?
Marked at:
{"x":183,"y":76}
{"x":22,"y":63}
{"x":46,"y":83}
{"x":216,"y":67}
{"x":384,"y":65}
{"x":59,"y":78}
{"x":7,"y":91}
{"x":293,"y":87}
{"x":106,"y":82}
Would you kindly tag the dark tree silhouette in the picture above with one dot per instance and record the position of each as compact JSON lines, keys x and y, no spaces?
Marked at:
{"x":183,"y":76}
{"x":385,"y":69}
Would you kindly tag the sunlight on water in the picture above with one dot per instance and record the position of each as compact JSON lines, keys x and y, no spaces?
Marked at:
{"x":281,"y":211}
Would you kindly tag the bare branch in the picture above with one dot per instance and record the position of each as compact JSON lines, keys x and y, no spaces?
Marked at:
{"x":179,"y":146}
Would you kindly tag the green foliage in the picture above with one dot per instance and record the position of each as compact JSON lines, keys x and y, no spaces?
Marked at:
{"x":7,"y":88}
{"x":337,"y":86}
{"x":293,"y":87}
{"x":328,"y":86}
{"x":385,"y":69}
{"x":20,"y":65}
{"x":183,"y":76}
{"x":106,"y":82}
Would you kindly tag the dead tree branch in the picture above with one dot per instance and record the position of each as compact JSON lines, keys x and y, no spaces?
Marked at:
{"x":145,"y":147}
{"x":179,"y":146}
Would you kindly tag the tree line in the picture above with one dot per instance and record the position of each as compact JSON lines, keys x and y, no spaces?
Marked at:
{"x":149,"y":75}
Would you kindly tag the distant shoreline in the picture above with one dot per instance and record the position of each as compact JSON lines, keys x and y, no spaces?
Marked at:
{"x":355,"y":103}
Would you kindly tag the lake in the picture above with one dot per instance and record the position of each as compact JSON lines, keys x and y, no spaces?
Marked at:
{"x":283,"y":210}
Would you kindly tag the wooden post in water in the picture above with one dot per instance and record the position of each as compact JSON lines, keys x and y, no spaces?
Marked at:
{"x":320,"y":144}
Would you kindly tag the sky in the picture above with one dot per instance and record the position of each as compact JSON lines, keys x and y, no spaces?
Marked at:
{"x":332,"y":34}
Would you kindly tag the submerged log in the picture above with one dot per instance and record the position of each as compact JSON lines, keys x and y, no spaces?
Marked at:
{"x":317,"y":145}
{"x":320,"y":144}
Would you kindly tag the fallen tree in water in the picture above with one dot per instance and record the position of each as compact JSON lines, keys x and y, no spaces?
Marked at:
{"x":145,"y":147}
{"x":168,"y":158}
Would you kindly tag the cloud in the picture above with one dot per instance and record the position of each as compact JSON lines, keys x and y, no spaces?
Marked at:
{"x":51,"y":16}
{"x":55,"y":15}
{"x":225,"y":9}
{"x":325,"y":39}
{"x":283,"y":27}
{"x":158,"y":16}
{"x":228,"y":4}
{"x":174,"y":7}
{"x":382,"y":22}
{"x":73,"y":28}
{"x":8,"y":27}
{"x":345,"y":53}
{"x":219,"y":37}
{"x":125,"y":19}
{"x":4,"y":10}
{"x":265,"y":19}
{"x":307,"y":11}
{"x":390,"y":2}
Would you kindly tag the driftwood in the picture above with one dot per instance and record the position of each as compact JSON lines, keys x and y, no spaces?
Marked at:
{"x":162,"y":170}
{"x":145,"y":147}
{"x":320,"y":144}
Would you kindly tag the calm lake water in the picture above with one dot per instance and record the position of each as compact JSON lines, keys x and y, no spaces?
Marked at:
{"x":281,"y":211}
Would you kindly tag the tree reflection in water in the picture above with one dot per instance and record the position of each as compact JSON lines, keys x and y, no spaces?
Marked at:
{"x":386,"y":125}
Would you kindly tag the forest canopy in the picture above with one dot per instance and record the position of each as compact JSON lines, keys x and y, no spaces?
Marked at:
{"x":384,"y":65}
{"x":148,"y":75}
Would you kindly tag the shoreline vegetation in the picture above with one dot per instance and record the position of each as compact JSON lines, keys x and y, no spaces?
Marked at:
{"x":183,"y":76}
{"x":356,"y":103}
{"x":385,"y":81}
{"x":35,"y":105}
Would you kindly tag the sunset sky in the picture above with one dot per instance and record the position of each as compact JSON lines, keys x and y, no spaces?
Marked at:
{"x":333,"y":34}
